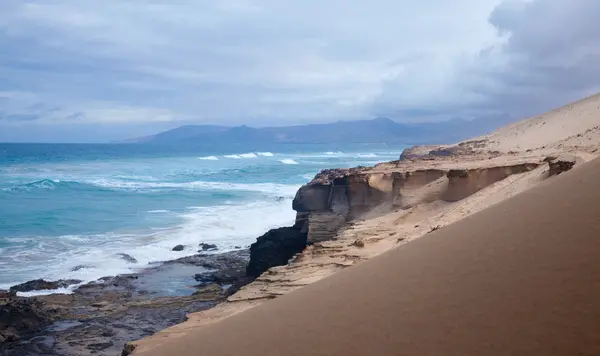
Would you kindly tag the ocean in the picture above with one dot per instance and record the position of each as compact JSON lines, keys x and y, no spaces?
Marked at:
{"x":68,"y":210}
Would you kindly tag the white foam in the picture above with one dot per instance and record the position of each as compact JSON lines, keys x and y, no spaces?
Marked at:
{"x":227,"y":226}
{"x":36,"y":293}
{"x":197,"y":185}
{"x":209,"y":158}
{"x":366,"y":155}
{"x":308,"y":176}
{"x":233,"y":156}
{"x":338,"y":153}
{"x":158,"y":211}
{"x":248,"y":155}
{"x":265,"y":154}
{"x":288,"y":161}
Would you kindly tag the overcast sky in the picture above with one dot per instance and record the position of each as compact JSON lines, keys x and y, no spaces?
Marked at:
{"x":73,"y":70}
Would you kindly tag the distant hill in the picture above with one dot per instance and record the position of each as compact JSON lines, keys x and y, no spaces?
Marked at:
{"x":380,"y":130}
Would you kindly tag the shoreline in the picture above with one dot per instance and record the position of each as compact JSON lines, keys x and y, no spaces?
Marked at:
{"x":103,"y":315}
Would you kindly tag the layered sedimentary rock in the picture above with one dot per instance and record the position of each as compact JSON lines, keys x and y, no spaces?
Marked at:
{"x":337,"y":196}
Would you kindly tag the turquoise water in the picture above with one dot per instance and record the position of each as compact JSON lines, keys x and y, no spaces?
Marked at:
{"x":63,"y":206}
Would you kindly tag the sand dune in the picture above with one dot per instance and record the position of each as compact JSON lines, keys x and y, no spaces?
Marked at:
{"x":510,"y":271}
{"x":576,"y":125}
{"x":519,"y":278}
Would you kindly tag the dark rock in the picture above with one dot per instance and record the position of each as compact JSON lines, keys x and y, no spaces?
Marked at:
{"x":79,"y":267}
{"x":208,"y":247}
{"x":128,"y":349}
{"x":24,"y":315}
{"x":275,"y":248}
{"x":40,"y":284}
{"x":5,"y":295}
{"x":128,"y":258}
{"x":99,"y":346}
{"x":227,"y":276}
{"x":237,"y":247}
{"x":178,"y":248}
{"x":280,"y":199}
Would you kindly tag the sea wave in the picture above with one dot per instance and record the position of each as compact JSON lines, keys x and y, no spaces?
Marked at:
{"x":209,"y":158}
{"x":125,"y":185}
{"x":248,"y":155}
{"x":232,"y":156}
{"x":265,"y":154}
{"x":288,"y":161}
{"x":366,"y":155}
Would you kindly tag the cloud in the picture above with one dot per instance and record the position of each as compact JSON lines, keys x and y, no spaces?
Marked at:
{"x":267,"y":62}
{"x":546,"y":54}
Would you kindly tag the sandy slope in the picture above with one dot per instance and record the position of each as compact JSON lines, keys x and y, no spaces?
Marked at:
{"x":529,"y":142}
{"x":519,"y":278}
{"x":574,"y":126}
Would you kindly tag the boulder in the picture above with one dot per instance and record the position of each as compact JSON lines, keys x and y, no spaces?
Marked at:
{"x":40,"y":284}
{"x":178,"y":248}
{"x":208,"y":247}
{"x":128,"y":258}
{"x":275,"y":248}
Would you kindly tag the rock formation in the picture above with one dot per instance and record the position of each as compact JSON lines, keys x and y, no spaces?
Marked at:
{"x":275,"y":248}
{"x":335,"y":197}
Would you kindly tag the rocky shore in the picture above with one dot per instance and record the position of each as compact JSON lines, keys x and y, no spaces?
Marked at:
{"x":101,"y":317}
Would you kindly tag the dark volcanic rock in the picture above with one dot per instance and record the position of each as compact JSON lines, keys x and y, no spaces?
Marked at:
{"x":208,"y":247}
{"x":178,"y":248}
{"x":128,"y":258}
{"x":24,"y":315}
{"x":227,"y":276}
{"x":275,"y":248}
{"x":40,"y":284}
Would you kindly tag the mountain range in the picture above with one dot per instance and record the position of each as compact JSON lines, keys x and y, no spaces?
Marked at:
{"x":379,"y":130}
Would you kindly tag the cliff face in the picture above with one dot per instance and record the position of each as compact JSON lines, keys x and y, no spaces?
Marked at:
{"x":335,"y":197}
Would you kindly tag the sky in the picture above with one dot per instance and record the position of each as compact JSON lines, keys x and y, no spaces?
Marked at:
{"x":82,"y":71}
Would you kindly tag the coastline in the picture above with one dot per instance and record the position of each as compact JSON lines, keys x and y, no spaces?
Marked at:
{"x":344,"y":217}
{"x":375,"y":210}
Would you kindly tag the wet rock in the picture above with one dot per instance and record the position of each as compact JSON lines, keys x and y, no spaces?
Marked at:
{"x":275,"y":248}
{"x":40,"y":284}
{"x":208,"y":247}
{"x":99,"y":346}
{"x":24,"y":315}
{"x":80,"y":267}
{"x":178,"y":248}
{"x":128,"y":258}
{"x":227,"y":276}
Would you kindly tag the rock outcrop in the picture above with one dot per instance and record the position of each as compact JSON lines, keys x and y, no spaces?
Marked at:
{"x":275,"y":248}
{"x":40,"y":284}
{"x":337,"y":196}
